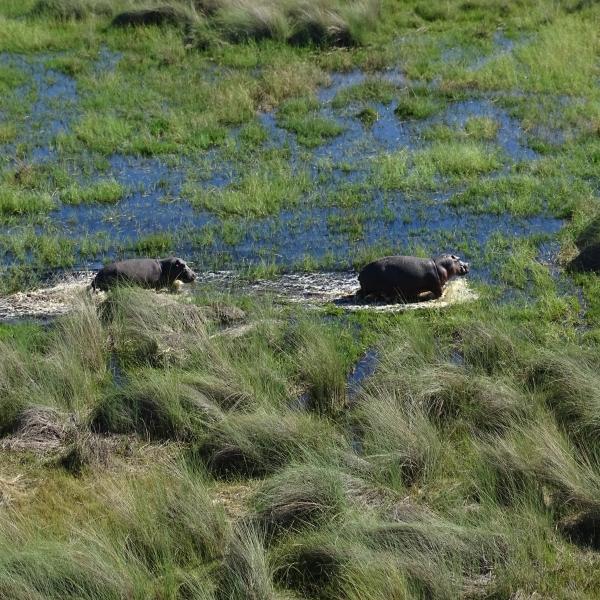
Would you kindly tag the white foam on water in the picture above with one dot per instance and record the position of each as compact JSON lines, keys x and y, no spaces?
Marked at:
{"x":310,"y":289}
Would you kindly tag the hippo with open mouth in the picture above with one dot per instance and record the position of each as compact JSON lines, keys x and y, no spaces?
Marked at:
{"x":406,"y":278}
{"x":145,"y":272}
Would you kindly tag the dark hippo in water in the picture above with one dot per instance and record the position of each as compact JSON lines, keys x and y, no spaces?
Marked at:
{"x":407,"y":277}
{"x":146,"y":272}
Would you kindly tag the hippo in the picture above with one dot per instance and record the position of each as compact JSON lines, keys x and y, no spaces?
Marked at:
{"x":145,"y":272}
{"x":407,"y":277}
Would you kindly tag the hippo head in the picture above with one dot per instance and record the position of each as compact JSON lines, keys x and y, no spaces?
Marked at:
{"x":176,"y":269}
{"x":452,"y":264}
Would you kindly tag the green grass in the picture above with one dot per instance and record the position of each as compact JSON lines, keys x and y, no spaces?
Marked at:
{"x":103,"y":192}
{"x":371,"y":90}
{"x":458,"y":159}
{"x":312,"y":130}
{"x":436,"y":438}
{"x":16,"y":202}
{"x":416,"y":107}
{"x":266,"y":190}
{"x":481,"y":128}
{"x":153,"y":447}
{"x":523,"y":195}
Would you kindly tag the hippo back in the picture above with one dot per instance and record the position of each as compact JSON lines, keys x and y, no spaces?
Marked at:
{"x":405,"y":276}
{"x":144,"y":272}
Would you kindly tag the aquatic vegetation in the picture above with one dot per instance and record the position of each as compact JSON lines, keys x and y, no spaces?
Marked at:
{"x":105,"y":192}
{"x":228,"y":441}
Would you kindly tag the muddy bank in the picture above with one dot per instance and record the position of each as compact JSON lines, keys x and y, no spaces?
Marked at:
{"x":48,"y":302}
{"x":311,"y":289}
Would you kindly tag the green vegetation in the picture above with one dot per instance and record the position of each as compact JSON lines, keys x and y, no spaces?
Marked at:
{"x":457,"y":159}
{"x":105,"y":192}
{"x":225,"y":485}
{"x":22,"y":202}
{"x":416,"y":107}
{"x":371,"y":90}
{"x":262,"y":192}
{"x":222,"y":444}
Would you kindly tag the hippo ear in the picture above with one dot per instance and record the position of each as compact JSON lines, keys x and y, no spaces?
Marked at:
{"x":177,"y":262}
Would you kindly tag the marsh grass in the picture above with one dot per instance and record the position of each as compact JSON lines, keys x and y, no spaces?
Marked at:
{"x":260,"y":192}
{"x":246,"y":571}
{"x":103,"y":192}
{"x":448,"y":461}
{"x":466,"y":465}
{"x":312,"y":130}
{"x":17,"y":202}
{"x":370,"y":90}
{"x":72,"y":9}
{"x":458,"y":159}
{"x":522,"y":195}
{"x":298,"y":498}
{"x":416,"y":106}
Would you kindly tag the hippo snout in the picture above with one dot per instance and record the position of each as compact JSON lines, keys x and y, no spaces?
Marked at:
{"x":464,"y":268}
{"x":188,"y":275}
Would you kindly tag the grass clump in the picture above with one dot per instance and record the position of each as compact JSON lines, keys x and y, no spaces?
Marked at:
{"x":312,"y":130}
{"x":368,"y":116}
{"x":323,"y":23}
{"x":299,"y":497}
{"x":370,"y":90}
{"x":154,"y":244}
{"x":156,"y":405}
{"x":65,"y":10}
{"x":17,"y":202}
{"x":416,"y":106}
{"x":458,"y":159}
{"x":481,"y":128}
{"x":299,"y":116}
{"x":109,"y":191}
{"x":259,"y":444}
{"x":260,"y":192}
{"x":246,"y":571}
{"x":311,"y":566}
{"x":570,"y":389}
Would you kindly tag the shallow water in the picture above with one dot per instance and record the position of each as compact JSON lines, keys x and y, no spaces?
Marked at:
{"x":363,"y":369}
{"x":154,"y":202}
{"x":53,"y":109}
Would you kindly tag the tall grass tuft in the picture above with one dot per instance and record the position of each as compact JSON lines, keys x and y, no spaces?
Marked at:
{"x":399,"y":440}
{"x":65,"y":10}
{"x":322,"y":370}
{"x":323,"y":23}
{"x":246,"y":573}
{"x":571,"y":387}
{"x":157,"y":404}
{"x":298,"y":497}
{"x":259,"y":444}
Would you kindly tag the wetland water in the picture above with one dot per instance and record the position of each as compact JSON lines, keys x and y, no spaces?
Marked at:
{"x":155,"y":201}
